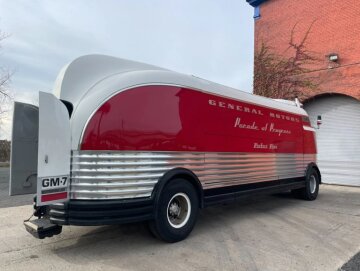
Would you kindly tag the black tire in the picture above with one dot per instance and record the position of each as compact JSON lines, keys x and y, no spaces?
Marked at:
{"x":311,"y":189}
{"x":174,"y":221}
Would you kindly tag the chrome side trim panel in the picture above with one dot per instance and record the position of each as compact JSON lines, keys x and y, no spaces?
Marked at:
{"x":119,"y":175}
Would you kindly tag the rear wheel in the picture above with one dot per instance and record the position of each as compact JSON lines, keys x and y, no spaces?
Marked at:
{"x":176,"y":211}
{"x":311,"y":189}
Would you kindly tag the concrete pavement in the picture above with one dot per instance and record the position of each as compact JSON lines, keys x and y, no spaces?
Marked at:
{"x":267,"y":233}
{"x":5,"y":199}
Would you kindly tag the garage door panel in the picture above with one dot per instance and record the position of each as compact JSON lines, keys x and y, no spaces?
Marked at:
{"x":338,"y":138}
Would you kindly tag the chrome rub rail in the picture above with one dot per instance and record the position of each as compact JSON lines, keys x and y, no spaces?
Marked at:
{"x":122,"y":175}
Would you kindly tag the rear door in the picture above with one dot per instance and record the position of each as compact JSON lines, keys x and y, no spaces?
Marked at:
{"x":54,"y":151}
{"x":24,"y":149}
{"x":40,"y":150}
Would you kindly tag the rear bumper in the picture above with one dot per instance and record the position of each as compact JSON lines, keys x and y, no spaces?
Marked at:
{"x":101,"y":212}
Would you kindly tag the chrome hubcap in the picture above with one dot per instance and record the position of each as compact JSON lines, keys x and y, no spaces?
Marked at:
{"x":312,"y":184}
{"x":178,"y":210}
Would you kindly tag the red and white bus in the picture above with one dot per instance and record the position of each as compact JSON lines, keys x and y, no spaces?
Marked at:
{"x":119,"y":141}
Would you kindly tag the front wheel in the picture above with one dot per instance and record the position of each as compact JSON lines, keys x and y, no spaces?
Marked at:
{"x":176,"y":211}
{"x":311,"y":189}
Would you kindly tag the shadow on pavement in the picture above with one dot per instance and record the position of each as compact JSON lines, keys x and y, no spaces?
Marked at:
{"x":119,"y":240}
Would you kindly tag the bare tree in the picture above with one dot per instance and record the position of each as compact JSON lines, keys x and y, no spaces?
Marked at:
{"x":278,"y":76}
{"x":5,"y":75}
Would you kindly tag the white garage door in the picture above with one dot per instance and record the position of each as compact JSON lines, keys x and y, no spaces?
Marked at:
{"x":338,"y":138}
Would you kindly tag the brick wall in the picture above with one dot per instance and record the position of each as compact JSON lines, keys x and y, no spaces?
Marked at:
{"x":336,"y":29}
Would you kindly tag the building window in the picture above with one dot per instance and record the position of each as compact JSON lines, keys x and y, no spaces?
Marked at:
{"x":257,"y":12}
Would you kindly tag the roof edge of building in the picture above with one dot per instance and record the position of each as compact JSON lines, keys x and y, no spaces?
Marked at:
{"x":255,"y":3}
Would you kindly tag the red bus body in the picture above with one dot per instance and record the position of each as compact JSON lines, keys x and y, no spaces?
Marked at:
{"x":135,"y":128}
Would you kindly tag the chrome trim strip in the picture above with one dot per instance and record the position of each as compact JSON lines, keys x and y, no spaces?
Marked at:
{"x":308,"y":128}
{"x":129,"y":174}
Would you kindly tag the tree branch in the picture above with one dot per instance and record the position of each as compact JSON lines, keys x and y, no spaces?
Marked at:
{"x":278,"y":76}
{"x":5,"y":76}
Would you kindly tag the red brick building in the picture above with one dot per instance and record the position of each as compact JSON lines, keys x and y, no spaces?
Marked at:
{"x":334,"y":39}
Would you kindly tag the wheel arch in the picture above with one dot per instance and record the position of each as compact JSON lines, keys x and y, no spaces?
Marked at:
{"x":181,"y":173}
{"x":313,"y":165}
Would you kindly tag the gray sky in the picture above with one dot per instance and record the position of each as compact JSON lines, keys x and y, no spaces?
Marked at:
{"x":211,"y":39}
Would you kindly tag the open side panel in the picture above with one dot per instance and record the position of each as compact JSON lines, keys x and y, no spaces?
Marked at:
{"x":54,"y":151}
{"x":24,"y":149}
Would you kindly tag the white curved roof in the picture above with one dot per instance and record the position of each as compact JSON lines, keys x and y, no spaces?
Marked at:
{"x":88,"y":81}
{"x":80,"y":75}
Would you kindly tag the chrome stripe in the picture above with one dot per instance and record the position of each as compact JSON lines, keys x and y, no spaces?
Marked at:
{"x":116,"y":175}
{"x":308,"y":128}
